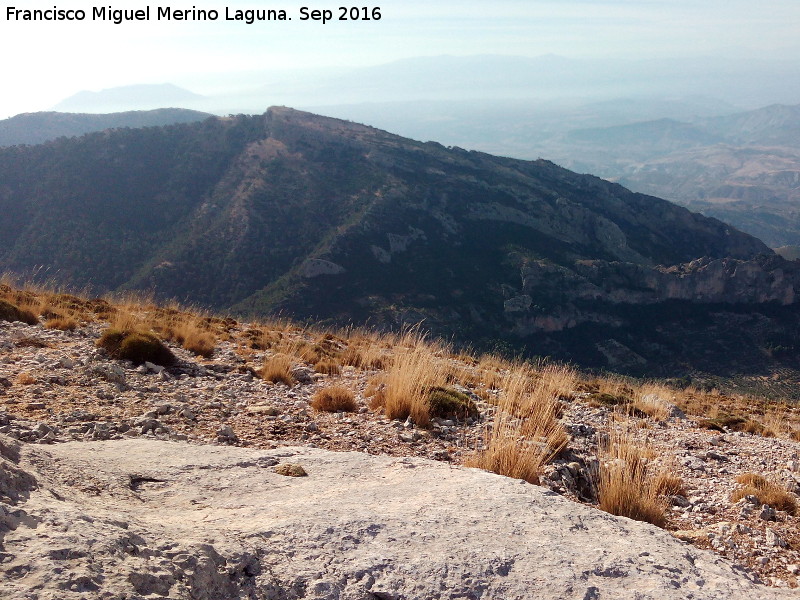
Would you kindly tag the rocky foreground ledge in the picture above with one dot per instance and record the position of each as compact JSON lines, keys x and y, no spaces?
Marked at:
{"x":143,"y":518}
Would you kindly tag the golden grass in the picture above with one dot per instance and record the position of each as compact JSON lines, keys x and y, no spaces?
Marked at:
{"x":766,"y":491}
{"x":415,"y":370}
{"x":370,"y":351}
{"x":525,"y":433}
{"x":556,"y":381}
{"x":491,"y":370}
{"x":125,"y":320}
{"x":192,"y":335}
{"x":625,"y":486}
{"x":336,"y":398}
{"x":62,"y":323}
{"x":668,"y":484}
{"x":376,"y":392}
{"x":365,"y":354}
{"x":278,"y":369}
{"x":652,"y":400}
{"x":328,"y":366}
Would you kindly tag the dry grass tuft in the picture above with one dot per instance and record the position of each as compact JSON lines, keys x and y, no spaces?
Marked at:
{"x":647,"y":405}
{"x":328,"y":366}
{"x":62,"y":323}
{"x":667,"y":484}
{"x":766,"y":491}
{"x":336,"y":398}
{"x":525,"y":433}
{"x":624,"y":485}
{"x":25,"y":379}
{"x":262,"y":337}
{"x":414,"y":372}
{"x":376,"y":392}
{"x":364,"y":353}
{"x":198,"y":342}
{"x":192,"y":332}
{"x":278,"y":369}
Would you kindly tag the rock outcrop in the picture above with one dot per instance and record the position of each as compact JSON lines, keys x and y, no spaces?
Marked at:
{"x":145,"y":518}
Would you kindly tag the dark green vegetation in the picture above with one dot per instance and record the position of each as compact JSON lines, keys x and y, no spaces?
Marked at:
{"x":331,"y":221}
{"x":136,"y":346}
{"x":449,"y":403}
{"x":725,"y":423}
{"x":35,"y":128}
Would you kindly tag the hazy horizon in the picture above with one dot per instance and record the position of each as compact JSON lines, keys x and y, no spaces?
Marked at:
{"x":55,"y":60}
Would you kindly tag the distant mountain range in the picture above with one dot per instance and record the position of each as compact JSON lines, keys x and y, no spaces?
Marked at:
{"x":35,"y":128}
{"x":130,"y":97}
{"x":337,"y":222}
{"x":742,"y":168}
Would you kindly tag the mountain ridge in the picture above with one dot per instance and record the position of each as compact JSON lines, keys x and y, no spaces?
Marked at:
{"x":39,"y":127}
{"x":324,"y":219}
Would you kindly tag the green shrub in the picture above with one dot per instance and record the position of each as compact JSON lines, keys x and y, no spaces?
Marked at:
{"x":11,"y":312}
{"x":605,"y":399}
{"x":727,"y":423}
{"x":136,"y":346}
{"x":448,"y":403}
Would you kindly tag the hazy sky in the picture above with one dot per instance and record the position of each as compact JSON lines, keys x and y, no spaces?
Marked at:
{"x":44,"y":62}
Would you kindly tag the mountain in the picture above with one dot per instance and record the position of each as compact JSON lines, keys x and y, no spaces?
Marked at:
{"x":774,"y":125}
{"x":643,"y":140}
{"x":35,"y":128}
{"x":128,"y":98}
{"x":334,"y":221}
{"x":742,"y":168}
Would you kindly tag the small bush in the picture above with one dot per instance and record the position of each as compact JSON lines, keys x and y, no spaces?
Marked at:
{"x":11,"y":312}
{"x":136,"y":346}
{"x":25,"y":379}
{"x":448,"y":403}
{"x":766,"y":491}
{"x":278,"y":369}
{"x":334,"y":399}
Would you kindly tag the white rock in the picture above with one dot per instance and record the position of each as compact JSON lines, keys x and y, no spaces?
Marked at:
{"x":210,"y":522}
{"x":152,"y":367}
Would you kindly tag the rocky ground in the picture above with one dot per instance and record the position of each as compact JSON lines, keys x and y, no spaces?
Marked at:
{"x":143,"y":518}
{"x":57,"y":386}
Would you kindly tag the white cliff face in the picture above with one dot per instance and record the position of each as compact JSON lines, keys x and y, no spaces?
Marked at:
{"x":139,"y":518}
